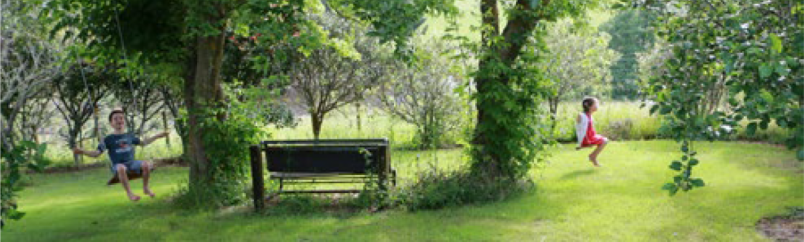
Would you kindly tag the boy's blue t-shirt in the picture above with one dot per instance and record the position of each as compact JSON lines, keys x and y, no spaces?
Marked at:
{"x":120,"y":146}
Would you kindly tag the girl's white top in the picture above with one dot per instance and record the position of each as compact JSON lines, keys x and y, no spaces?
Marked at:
{"x":580,"y":127}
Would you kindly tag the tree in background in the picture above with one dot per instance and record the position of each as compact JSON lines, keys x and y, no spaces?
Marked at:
{"x":631,"y":33}
{"x":422,"y":94}
{"x":340,"y":73}
{"x":244,"y":52}
{"x":141,"y":100}
{"x":28,"y":63}
{"x":35,"y":115}
{"x":578,"y":62}
{"x":76,"y":100}
{"x":650,"y":61}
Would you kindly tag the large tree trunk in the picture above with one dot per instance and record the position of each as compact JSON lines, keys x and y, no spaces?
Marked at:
{"x":515,"y":36}
{"x":202,"y":92}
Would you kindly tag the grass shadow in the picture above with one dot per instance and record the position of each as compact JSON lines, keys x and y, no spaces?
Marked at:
{"x":576,"y":174}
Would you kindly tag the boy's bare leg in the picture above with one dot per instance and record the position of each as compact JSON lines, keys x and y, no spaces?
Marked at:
{"x":146,"y":175}
{"x":121,"y":173}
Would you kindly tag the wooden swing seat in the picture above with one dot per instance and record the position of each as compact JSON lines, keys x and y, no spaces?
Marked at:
{"x":131,"y":176}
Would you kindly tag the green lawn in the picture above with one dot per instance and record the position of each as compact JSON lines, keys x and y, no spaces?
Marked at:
{"x":572,"y":202}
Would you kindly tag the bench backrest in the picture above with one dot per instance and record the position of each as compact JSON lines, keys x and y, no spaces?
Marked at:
{"x":327,"y":156}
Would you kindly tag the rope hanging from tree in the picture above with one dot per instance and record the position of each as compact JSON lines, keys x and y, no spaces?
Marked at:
{"x":114,"y":178}
{"x":125,"y":56}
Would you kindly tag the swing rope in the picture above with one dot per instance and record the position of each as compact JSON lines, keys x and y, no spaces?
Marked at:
{"x":125,"y":56}
{"x":92,"y":104}
{"x":114,"y":178}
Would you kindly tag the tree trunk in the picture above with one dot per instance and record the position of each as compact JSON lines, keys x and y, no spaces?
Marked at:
{"x":801,"y":100}
{"x":34,"y":134}
{"x":515,"y":34}
{"x":202,"y":91}
{"x":553,"y":102}
{"x":317,"y":120}
{"x":181,"y":130}
{"x":165,"y":126}
{"x":97,"y":126}
{"x":74,"y":139}
{"x":485,"y":161}
{"x":357,"y":108}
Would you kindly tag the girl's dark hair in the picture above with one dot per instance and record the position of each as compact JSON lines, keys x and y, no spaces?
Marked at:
{"x":587,"y":103}
{"x":114,"y":112}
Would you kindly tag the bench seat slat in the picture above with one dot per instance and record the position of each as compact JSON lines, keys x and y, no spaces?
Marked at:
{"x":322,"y":191}
{"x":326,"y":181}
{"x":276,"y":175}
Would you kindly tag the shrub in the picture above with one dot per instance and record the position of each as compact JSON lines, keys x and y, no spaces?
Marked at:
{"x":435,"y":189}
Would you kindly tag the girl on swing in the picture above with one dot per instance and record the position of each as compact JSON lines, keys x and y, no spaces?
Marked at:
{"x":585,"y":130}
{"x":121,"y":153}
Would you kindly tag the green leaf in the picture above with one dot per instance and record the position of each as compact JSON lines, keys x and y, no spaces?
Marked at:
{"x":693,"y":162}
{"x":751,"y":129}
{"x":41,"y":149}
{"x":800,"y":154}
{"x":782,"y":69}
{"x":698,"y":182}
{"x":776,"y":43}
{"x":781,"y":122}
{"x":765,"y":70}
{"x":654,"y":109}
{"x":733,"y":101}
{"x":672,"y":188}
{"x":676,"y":165}
{"x":666,"y":110}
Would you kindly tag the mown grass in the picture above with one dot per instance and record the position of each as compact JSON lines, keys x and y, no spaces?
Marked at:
{"x":572,"y":202}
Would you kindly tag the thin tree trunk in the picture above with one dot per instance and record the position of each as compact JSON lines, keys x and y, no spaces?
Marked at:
{"x":357,"y":108}
{"x":553,"y":103}
{"x":34,"y":134}
{"x":165,"y":126}
{"x":317,"y":120}
{"x":75,"y":139}
{"x":181,"y":129}
{"x":801,"y":100}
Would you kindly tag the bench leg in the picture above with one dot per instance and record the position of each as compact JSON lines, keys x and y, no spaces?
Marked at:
{"x":393,"y":172}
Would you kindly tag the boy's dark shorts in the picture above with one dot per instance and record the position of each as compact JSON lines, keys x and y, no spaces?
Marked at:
{"x":132,"y":166}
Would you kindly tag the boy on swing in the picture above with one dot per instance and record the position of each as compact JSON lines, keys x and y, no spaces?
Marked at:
{"x":121,"y":152}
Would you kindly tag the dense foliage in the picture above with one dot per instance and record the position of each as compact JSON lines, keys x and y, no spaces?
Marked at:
{"x":631,"y":34}
{"x":748,"y":52}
